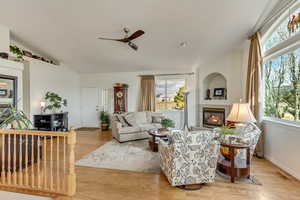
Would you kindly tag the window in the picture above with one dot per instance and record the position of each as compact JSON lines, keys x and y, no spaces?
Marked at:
{"x":281,"y":32}
{"x":282,"y":73}
{"x":169,"y":94}
{"x":282,"y":86}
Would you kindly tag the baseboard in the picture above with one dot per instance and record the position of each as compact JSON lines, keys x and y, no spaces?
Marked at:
{"x":282,"y":167}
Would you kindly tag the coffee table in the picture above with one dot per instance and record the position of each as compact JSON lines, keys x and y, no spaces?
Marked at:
{"x":153,"y":142}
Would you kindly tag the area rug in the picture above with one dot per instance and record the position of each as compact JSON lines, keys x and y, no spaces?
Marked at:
{"x":134,"y":156}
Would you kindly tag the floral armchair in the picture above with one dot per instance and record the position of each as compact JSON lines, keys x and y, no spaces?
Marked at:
{"x":189,"y":157}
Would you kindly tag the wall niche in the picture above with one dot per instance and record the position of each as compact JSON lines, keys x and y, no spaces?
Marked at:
{"x":215,"y":87}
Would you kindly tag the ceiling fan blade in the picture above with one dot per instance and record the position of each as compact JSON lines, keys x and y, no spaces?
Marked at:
{"x":134,"y":35}
{"x":119,"y":40}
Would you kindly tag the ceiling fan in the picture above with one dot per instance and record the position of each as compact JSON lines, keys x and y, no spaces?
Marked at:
{"x":128,"y":39}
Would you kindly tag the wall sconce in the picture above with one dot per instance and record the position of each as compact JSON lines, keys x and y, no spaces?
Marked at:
{"x":43,"y":105}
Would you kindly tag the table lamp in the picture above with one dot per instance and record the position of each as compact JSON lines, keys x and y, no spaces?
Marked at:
{"x":241,"y":114}
{"x":43,"y":105}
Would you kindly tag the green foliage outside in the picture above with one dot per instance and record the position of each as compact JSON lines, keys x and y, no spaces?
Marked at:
{"x":167,"y":123}
{"x":179,"y":98}
{"x":54,"y":101}
{"x":13,"y":118}
{"x":282,"y":87}
{"x":282,"y":80}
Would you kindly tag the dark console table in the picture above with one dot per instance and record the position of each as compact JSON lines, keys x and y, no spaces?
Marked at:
{"x":51,"y":122}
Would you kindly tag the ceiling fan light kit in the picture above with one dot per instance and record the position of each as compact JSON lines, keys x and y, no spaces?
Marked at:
{"x":133,"y":46}
{"x":127,"y":39}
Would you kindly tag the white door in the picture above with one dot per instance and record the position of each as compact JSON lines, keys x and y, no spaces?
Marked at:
{"x":90,"y":107}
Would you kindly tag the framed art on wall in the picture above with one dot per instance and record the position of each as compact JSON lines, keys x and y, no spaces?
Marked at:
{"x":219,"y":92}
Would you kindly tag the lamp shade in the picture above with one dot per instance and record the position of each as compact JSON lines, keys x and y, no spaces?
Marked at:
{"x":241,"y":112}
{"x":43,"y":104}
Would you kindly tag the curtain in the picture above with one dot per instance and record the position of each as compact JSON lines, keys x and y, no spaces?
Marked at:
{"x":147,"y":94}
{"x":254,"y":83}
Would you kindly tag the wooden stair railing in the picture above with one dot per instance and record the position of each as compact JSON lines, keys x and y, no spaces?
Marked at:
{"x":40,"y":161}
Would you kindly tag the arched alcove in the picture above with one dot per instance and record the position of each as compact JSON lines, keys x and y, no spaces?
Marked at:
{"x":215,"y":81}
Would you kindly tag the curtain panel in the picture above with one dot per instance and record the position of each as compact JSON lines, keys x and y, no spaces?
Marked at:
{"x":254,"y":80}
{"x":147,"y":94}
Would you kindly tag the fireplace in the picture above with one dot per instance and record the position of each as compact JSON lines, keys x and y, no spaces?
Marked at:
{"x":213,"y":117}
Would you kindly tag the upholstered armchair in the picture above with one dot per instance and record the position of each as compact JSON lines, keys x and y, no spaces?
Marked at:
{"x":189,"y":157}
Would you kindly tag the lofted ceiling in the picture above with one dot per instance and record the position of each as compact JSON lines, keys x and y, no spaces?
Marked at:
{"x":67,"y":30}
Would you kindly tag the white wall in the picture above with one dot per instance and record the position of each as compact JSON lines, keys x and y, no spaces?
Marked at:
{"x":282,"y":144}
{"x":230,"y":66}
{"x":60,"y":79}
{"x":4,"y":39}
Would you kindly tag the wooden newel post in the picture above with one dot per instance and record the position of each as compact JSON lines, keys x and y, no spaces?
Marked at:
{"x":71,"y":177}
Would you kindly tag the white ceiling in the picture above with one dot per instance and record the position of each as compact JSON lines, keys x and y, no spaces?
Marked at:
{"x":67,"y":30}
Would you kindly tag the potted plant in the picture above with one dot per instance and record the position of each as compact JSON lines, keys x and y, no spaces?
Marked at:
{"x":104,"y":118}
{"x":14,"y":119}
{"x":225,"y":134}
{"x":17,"y":52}
{"x":54,"y":102}
{"x":167,"y":123}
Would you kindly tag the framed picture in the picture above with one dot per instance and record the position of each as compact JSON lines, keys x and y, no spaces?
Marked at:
{"x":3,"y":92}
{"x":219,"y":92}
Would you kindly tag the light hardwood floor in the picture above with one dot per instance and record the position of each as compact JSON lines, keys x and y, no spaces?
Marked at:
{"x":109,"y":184}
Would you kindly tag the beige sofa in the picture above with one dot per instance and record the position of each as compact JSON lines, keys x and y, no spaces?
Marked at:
{"x":134,"y":125}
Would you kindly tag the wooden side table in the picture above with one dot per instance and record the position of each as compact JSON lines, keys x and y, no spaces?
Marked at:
{"x":235,"y":167}
{"x":152,"y":141}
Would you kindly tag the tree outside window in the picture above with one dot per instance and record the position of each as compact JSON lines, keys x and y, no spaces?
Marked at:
{"x":169,"y":94}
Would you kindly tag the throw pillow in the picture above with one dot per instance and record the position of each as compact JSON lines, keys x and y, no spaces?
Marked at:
{"x":157,"y":119}
{"x":122,"y":120}
{"x":130,"y":119}
{"x":140,"y":117}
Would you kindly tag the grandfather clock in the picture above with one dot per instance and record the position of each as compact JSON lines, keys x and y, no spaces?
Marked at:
{"x":120,"y":99}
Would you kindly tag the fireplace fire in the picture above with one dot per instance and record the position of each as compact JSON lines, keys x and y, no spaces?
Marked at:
{"x":213,"y":117}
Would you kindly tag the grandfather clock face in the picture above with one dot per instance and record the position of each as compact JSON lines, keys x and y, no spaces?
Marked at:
{"x":120,"y":94}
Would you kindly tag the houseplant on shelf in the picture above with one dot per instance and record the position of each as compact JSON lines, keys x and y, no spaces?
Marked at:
{"x":54,"y":102}
{"x":14,"y":119}
{"x":104,"y":118}
{"x":17,"y":52}
{"x":167,"y":123}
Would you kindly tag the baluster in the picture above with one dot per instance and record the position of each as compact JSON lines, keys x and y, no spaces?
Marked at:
{"x":71,"y":176}
{"x":15,"y":160}
{"x":32,"y":160}
{"x":57,"y":164}
{"x":38,"y":161}
{"x":64,"y":163}
{"x":45,"y":162}
{"x":51,"y":162}
{"x":26,"y":161}
{"x":20,"y":160}
{"x":3,"y":160}
{"x":8,"y":160}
